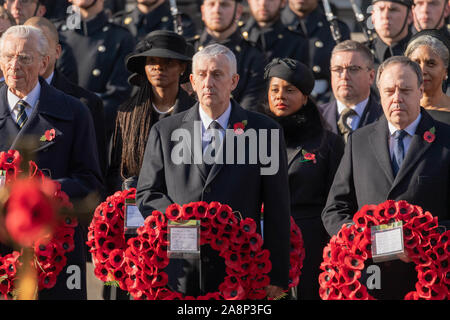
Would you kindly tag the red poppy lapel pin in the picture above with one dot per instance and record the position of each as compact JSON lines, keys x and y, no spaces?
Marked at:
{"x":430,"y":135}
{"x":239,"y":127}
{"x":49,"y":135}
{"x":308,"y":156}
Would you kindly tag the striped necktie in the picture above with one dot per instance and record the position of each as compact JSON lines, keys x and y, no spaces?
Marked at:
{"x":21,"y":115}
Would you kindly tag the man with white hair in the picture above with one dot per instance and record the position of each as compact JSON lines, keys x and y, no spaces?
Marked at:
{"x":29,"y":107}
{"x":244,"y":187}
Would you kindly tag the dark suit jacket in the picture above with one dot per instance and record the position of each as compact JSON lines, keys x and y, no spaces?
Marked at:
{"x":70,"y":158}
{"x":365,"y":176}
{"x":95,"y":105}
{"x":365,"y":173}
{"x":242,"y":187}
{"x":330,"y":114}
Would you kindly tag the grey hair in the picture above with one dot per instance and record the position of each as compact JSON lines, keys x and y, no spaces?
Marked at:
{"x":404,"y":61}
{"x":25,"y":32}
{"x":436,"y":45}
{"x":214,"y":50}
{"x":355,"y":46}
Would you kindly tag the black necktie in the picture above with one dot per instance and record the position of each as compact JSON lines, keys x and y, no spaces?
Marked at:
{"x":21,"y":115}
{"x":344,"y":128}
{"x":399,"y":150}
{"x":211,"y":146}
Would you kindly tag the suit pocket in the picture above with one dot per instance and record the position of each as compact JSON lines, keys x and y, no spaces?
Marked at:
{"x":431,"y":187}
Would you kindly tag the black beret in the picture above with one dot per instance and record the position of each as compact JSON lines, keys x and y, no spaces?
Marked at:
{"x":408,"y":3}
{"x":293,"y":71}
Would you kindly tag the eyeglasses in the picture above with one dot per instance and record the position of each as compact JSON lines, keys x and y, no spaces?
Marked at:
{"x":350,"y":69}
{"x":22,"y":2}
{"x":21,"y":59}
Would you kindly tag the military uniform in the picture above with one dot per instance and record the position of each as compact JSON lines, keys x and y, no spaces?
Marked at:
{"x":382,"y":51}
{"x":140,"y":24}
{"x":316,"y":28}
{"x":250,"y":67}
{"x":276,"y":41}
{"x":100,"y":48}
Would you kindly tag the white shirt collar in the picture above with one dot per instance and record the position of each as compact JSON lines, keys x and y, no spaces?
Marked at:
{"x":359,"y":107}
{"x":222,"y":120}
{"x":31,"y":98}
{"x":411,"y":129}
{"x":50,"y":78}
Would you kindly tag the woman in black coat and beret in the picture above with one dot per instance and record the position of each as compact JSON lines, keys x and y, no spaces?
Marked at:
{"x":313,"y":153}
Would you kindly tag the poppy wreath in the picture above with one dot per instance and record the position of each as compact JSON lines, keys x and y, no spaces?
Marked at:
{"x":137,"y":265}
{"x":426,"y":245}
{"x":36,"y":198}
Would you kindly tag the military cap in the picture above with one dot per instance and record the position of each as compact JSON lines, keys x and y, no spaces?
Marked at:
{"x":408,"y":3}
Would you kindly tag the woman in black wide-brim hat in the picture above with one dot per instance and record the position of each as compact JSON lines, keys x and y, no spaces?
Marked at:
{"x":160,"y":63}
{"x":313,"y":153}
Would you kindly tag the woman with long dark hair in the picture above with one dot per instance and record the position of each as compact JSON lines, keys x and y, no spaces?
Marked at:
{"x":313,"y":153}
{"x":159,"y":66}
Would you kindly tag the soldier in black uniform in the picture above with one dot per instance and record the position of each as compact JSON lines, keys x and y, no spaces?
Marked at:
{"x":151,"y":15}
{"x":265,"y":29}
{"x":391,"y":20}
{"x":308,"y":18}
{"x":100,"y":48}
{"x":220,"y":18}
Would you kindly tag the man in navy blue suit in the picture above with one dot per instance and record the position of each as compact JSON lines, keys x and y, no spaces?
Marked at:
{"x":352,"y":75}
{"x":28,"y":108}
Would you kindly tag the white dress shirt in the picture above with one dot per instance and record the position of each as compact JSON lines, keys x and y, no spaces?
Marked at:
{"x":353,"y":121}
{"x":206,"y":121}
{"x":411,"y":130}
{"x":31,"y":98}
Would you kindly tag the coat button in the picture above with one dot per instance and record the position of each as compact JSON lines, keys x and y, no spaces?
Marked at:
{"x":320,"y":24}
{"x":245,"y":35}
{"x":318,"y":44}
{"x":200,"y":48}
{"x":96,"y":72}
{"x":316,"y":69}
{"x":101,"y":48}
{"x":207,"y":190}
{"x":105,"y":28}
{"x":280,"y":36}
{"x":238,"y":48}
{"x":165,"y":19}
{"x":128,"y":20}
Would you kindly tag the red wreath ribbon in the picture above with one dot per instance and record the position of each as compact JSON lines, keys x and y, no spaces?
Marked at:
{"x":346,"y":253}
{"x":32,"y":202}
{"x":138,"y":264}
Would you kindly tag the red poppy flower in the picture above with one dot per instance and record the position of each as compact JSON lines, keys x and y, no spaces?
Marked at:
{"x":160,"y":280}
{"x":310,"y":156}
{"x":231,"y":259}
{"x":50,"y":134}
{"x":248,"y":225}
{"x":219,"y":244}
{"x":5,"y":286}
{"x":187,"y":211}
{"x":235,"y":293}
{"x":360,"y":294}
{"x":212,"y":210}
{"x":48,"y":281}
{"x":354,"y":262}
{"x":429,"y":137}
{"x":413,"y":295}
{"x":201,"y":209}
{"x":173,"y":212}
{"x":404,"y":209}
{"x":116,"y":257}
{"x":238,"y":128}
{"x":224,"y":214}
{"x":423,"y":291}
{"x":255,"y":241}
{"x":29,"y":213}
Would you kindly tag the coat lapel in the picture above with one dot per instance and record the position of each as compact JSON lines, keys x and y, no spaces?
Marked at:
{"x":380,"y":145}
{"x":238,"y":114}
{"x":39,"y":121}
{"x":417,"y":147}
{"x":195,"y":146}
{"x":8,"y":128}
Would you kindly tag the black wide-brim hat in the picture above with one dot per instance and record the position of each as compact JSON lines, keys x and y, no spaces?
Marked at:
{"x":160,"y":43}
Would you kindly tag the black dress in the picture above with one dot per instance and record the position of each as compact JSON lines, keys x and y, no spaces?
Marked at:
{"x":309,"y":183}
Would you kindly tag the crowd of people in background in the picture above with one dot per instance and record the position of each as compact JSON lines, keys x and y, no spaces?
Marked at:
{"x":116,"y":77}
